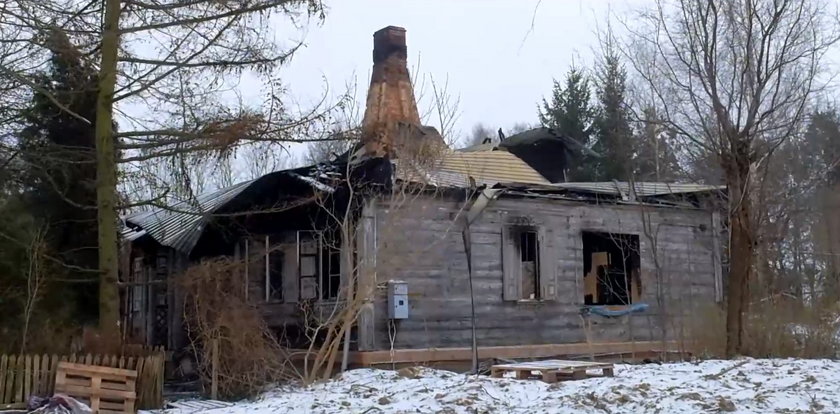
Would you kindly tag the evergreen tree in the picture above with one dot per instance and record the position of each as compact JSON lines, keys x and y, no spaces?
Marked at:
{"x":613,"y":136}
{"x":570,"y":113}
{"x":59,"y":178}
{"x":654,"y":156}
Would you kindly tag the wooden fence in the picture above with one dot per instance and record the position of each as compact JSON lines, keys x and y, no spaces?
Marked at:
{"x":24,"y":375}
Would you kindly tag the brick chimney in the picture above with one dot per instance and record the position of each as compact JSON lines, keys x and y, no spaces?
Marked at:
{"x":390,"y":101}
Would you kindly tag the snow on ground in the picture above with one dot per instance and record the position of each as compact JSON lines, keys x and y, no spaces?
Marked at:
{"x":740,"y":386}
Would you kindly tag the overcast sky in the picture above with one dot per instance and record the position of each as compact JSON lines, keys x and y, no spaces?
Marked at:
{"x":499,"y":55}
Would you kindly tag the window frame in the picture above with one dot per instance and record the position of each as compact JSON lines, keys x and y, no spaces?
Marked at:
{"x":267,"y":288}
{"x":545,"y":266}
{"x":632,"y":272}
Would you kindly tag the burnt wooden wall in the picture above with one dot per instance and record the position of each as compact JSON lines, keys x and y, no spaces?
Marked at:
{"x":423,"y":247}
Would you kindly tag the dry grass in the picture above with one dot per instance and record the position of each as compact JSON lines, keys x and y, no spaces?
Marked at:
{"x":774,"y":329}
{"x":216,"y":311}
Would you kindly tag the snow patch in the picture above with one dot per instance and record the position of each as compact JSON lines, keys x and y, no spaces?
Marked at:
{"x":740,"y":386}
{"x":313,"y":182}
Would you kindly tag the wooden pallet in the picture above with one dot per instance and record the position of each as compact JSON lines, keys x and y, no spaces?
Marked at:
{"x":106,"y":390}
{"x":553,"y":370}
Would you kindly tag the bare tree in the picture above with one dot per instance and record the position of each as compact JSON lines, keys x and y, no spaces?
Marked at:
{"x":178,"y":61}
{"x":733,"y":79}
{"x":481,"y":133}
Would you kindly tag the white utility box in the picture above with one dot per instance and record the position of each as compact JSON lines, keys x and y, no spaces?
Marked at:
{"x":397,"y":300}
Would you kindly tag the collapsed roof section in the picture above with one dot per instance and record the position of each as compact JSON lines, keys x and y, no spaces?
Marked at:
{"x":543,"y":149}
{"x":181,"y":225}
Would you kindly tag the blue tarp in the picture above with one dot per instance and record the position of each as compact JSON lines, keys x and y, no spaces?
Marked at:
{"x":605,"y":311}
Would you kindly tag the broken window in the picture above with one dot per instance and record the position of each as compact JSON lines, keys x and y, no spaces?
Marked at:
{"x":528,"y":267}
{"x":274,"y":273}
{"x":263,"y":267}
{"x":319,"y":256}
{"x":611,"y":264}
{"x":309,"y":250}
{"x":528,"y":263}
{"x":331,"y":268}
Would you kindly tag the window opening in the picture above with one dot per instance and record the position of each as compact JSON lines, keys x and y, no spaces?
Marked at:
{"x":528,"y":253}
{"x":274,"y":272}
{"x":611,"y":264}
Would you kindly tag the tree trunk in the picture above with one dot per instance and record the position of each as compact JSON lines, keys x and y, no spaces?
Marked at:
{"x":741,"y":250}
{"x":106,"y":174}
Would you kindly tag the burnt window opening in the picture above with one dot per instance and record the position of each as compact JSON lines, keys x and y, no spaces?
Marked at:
{"x":611,"y":263}
{"x":309,"y":254}
{"x":263,"y":267}
{"x":274,"y":275}
{"x":319,"y":258}
{"x":331,"y":269}
{"x":527,"y":248}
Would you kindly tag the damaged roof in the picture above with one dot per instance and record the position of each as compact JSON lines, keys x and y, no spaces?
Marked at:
{"x":486,"y":168}
{"x":181,"y":225}
{"x":542,"y":149}
{"x":531,"y":137}
{"x":639,"y":189}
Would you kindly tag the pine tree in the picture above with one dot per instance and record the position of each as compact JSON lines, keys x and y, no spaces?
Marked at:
{"x":570,"y":113}
{"x":613,"y":136}
{"x":59,"y":178}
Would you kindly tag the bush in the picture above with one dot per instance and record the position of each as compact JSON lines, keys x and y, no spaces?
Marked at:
{"x":216,"y":312}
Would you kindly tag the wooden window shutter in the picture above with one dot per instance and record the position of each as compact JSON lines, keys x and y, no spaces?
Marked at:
{"x":510,"y":266}
{"x":548,"y":264}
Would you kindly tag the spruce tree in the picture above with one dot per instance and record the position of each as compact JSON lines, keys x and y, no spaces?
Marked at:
{"x":570,"y":113}
{"x":59,"y":178}
{"x":612,"y":135}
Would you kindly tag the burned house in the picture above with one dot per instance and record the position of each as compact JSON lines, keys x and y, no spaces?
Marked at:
{"x":439,"y":245}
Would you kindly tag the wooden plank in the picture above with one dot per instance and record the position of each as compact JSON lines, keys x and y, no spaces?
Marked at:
{"x":555,"y":364}
{"x":27,"y":379}
{"x":36,"y":375}
{"x":108,"y":405}
{"x":4,"y":361}
{"x":53,"y":374}
{"x":95,"y":393}
{"x":76,"y":382}
{"x":87,"y":392}
{"x":13,"y":406}
{"x":19,"y":374}
{"x":549,"y":376}
{"x":10,"y":379}
{"x":367,"y":358}
{"x":105,"y":371}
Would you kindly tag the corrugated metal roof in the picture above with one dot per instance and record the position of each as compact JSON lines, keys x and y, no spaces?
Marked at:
{"x":641,"y":189}
{"x":180,"y":225}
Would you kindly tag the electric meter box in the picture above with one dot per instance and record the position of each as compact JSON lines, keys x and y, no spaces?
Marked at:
{"x":397,"y":300}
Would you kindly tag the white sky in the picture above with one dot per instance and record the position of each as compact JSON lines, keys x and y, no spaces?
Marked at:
{"x":495,"y":60}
